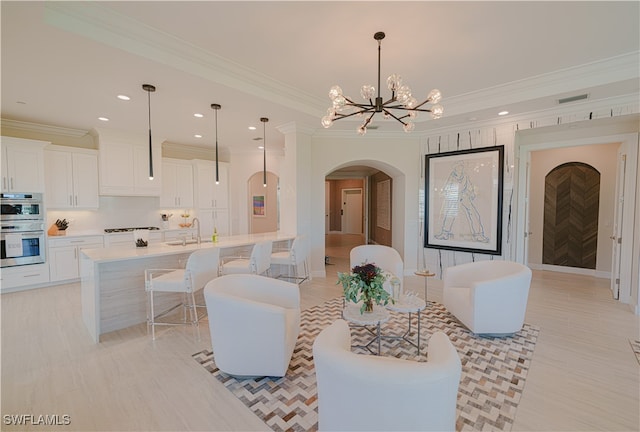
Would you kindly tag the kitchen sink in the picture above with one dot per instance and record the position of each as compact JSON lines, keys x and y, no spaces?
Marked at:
{"x":187,"y":242}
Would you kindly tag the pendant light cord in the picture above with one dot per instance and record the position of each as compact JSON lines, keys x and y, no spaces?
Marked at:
{"x":217,"y":175}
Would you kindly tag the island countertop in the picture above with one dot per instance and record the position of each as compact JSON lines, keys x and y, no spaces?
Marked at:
{"x":112,"y":290}
{"x":120,"y":253}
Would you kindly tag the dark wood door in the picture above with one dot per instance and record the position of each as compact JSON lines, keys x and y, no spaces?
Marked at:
{"x":571,"y":204}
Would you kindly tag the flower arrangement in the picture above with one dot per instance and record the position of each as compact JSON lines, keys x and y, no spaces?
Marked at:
{"x":364,"y":284}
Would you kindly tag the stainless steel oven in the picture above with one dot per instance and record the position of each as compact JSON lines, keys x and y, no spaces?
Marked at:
{"x":22,"y":234}
{"x":23,"y":206}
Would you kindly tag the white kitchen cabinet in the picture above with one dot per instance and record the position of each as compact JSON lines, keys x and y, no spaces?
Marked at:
{"x":210,"y":194}
{"x":22,"y":165}
{"x":124,"y":164}
{"x":71,"y":178}
{"x":212,"y":203}
{"x":64,"y":255}
{"x":213,"y":218}
{"x":177,"y":184}
{"x":23,"y":277}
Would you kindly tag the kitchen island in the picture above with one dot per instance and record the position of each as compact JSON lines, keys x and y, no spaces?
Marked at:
{"x":112,"y":279}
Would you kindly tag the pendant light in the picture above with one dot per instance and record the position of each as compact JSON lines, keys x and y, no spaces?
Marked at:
{"x":215,"y":108}
{"x":149,"y":88}
{"x":264,"y":121}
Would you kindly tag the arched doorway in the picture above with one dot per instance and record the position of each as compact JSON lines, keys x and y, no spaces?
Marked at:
{"x":358,"y":210}
{"x":571,"y":206}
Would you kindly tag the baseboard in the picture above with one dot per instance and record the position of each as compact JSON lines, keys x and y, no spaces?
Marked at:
{"x":573,"y":270}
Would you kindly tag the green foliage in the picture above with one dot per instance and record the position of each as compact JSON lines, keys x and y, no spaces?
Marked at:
{"x":364,"y":283}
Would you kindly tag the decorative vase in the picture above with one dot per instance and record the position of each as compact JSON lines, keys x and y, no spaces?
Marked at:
{"x":368,"y":306}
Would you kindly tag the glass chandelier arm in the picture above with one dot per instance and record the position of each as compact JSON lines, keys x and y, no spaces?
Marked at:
{"x":366,"y":123}
{"x":392,"y":115}
{"x":341,"y":116}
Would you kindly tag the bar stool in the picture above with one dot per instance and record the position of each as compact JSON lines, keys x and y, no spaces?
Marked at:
{"x":202,"y":266}
{"x":259,"y":262}
{"x":294,"y":257}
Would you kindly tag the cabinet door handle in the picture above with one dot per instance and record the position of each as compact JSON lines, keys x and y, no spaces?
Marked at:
{"x":76,"y":200}
{"x":4,"y":182}
{"x":11,"y":183}
{"x":70,"y":200}
{"x":75,"y":253}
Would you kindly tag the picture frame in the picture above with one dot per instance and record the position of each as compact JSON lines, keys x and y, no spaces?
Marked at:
{"x":258,"y":205}
{"x":463,"y":200}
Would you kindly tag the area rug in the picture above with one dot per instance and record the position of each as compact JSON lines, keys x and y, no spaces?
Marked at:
{"x":493,"y":370}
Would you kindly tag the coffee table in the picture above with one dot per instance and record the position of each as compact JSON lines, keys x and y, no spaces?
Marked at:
{"x":408,"y":304}
{"x":379,"y":315}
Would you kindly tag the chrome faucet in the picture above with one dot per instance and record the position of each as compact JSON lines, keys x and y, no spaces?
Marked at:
{"x":195,"y":219}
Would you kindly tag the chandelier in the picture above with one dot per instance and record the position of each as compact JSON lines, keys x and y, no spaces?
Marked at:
{"x":402,"y":106}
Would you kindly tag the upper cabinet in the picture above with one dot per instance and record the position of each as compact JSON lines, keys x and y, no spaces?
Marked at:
{"x":209,"y":194}
{"x":71,"y":178}
{"x":22,"y":164}
{"x":124,"y":164}
{"x":177,"y":184}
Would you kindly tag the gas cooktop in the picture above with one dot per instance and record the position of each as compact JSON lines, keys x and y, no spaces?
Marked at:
{"x":118,"y":230}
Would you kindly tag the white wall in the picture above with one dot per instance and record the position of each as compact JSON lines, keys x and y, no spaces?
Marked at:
{"x":601,"y":157}
{"x":398,"y":156}
{"x":244,"y":165}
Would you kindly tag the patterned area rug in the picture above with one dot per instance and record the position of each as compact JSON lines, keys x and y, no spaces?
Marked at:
{"x":493,"y":370}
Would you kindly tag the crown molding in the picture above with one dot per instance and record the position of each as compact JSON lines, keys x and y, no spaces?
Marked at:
{"x":41,"y":128}
{"x":99,"y":23}
{"x":607,"y":71}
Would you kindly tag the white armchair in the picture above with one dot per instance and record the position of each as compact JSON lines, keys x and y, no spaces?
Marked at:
{"x":363,"y":392}
{"x":488,"y":297}
{"x":254,"y":322}
{"x":385,"y":257}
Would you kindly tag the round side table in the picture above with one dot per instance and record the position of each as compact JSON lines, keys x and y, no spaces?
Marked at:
{"x":380,"y":315}
{"x":425,"y":274}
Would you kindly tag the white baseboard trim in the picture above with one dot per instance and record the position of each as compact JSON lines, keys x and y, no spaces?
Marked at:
{"x":574,"y":270}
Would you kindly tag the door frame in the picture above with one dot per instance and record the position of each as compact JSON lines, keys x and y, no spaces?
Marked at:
{"x":522,"y":155}
{"x":362,"y":206}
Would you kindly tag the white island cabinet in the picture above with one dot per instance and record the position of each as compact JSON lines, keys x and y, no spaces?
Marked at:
{"x":112,"y":288}
{"x":64,"y":255}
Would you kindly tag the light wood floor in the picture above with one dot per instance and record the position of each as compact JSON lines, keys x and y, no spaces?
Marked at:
{"x":584,"y":375}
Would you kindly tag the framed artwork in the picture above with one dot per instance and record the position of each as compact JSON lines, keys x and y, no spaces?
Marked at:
{"x":463,"y":200}
{"x":258,"y":206}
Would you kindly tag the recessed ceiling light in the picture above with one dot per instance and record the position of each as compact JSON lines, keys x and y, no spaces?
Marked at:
{"x":103,"y":119}
{"x":260,"y":147}
{"x":501,"y":113}
{"x":123,"y":97}
{"x":198,"y":115}
{"x":198,"y":136}
{"x":252,"y":128}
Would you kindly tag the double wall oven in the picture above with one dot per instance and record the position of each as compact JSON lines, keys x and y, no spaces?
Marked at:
{"x":22,"y":234}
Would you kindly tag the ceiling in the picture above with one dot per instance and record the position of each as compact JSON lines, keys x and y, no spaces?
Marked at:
{"x":64,"y":63}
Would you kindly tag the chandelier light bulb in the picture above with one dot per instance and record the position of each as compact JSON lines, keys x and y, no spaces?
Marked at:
{"x":394,"y":82}
{"x":437,"y":111}
{"x":434,"y":96}
{"x":339,"y":102}
{"x":403,"y":94}
{"x":401,"y":106}
{"x":367,"y":92}
{"x":409,"y":126}
{"x":334,"y":92}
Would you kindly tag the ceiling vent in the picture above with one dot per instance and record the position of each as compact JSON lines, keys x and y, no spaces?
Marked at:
{"x":573,"y":98}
